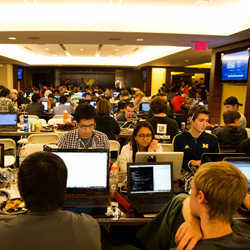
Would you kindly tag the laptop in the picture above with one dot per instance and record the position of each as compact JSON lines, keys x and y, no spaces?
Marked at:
{"x":175,"y":157}
{"x":87,"y":187}
{"x":45,"y":104}
{"x":243,"y":164}
{"x":144,"y":107}
{"x":8,"y":121}
{"x":208,"y":157}
{"x":150,"y":186}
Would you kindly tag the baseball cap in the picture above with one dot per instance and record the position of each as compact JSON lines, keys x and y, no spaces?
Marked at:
{"x":232,"y":100}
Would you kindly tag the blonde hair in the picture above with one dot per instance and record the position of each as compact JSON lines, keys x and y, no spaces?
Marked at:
{"x":224,"y":187}
{"x":139,"y":93}
{"x":103,"y":106}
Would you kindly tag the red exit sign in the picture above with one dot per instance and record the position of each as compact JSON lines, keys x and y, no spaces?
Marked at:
{"x":199,"y":46}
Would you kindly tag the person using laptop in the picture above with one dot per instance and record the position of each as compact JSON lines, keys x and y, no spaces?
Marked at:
{"x":6,"y":105}
{"x":195,"y":142}
{"x":42,"y":181}
{"x":62,"y":107}
{"x":84,"y":136}
{"x":232,"y":103}
{"x":202,"y":220}
{"x":127,"y":115}
{"x":35,"y":108}
{"x":142,"y":140}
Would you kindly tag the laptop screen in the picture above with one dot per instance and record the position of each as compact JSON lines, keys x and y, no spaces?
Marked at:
{"x":45,"y":104}
{"x":243,"y":164}
{"x":151,"y":178}
{"x":87,"y":169}
{"x":145,"y":107}
{"x":8,"y":119}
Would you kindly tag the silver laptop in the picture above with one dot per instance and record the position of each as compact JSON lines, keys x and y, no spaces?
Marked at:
{"x":150,"y":186}
{"x":8,"y":121}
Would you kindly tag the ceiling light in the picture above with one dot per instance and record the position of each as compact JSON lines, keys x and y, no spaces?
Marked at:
{"x":139,"y":40}
{"x":81,"y":49}
{"x":47,"y":49}
{"x":12,"y":38}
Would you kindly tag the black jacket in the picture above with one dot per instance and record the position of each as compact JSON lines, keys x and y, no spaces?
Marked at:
{"x":193,"y":148}
{"x":107,"y":125}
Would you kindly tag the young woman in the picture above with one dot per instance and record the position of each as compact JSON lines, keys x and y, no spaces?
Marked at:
{"x":142,"y":140}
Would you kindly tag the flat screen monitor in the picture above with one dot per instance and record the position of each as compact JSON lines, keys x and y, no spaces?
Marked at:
{"x":175,"y":157}
{"x":234,"y":66}
{"x":87,"y":170}
{"x":144,"y":107}
{"x":150,"y":178}
{"x":116,"y":94}
{"x":19,"y":74}
{"x":93,"y":103}
{"x":8,"y":119}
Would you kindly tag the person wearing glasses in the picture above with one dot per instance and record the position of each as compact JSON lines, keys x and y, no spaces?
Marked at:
{"x":84,"y":136}
{"x":142,"y":140}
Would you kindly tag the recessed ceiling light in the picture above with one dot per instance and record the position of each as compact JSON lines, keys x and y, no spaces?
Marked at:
{"x":81,"y":49}
{"x":12,"y":38}
{"x":139,"y":40}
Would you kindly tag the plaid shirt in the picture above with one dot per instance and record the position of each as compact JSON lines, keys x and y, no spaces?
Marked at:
{"x":6,"y":105}
{"x":72,"y":139}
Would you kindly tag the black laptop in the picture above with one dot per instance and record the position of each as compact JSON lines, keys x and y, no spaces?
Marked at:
{"x":243,"y":164}
{"x":150,"y":186}
{"x":87,"y":183}
{"x":8,"y":121}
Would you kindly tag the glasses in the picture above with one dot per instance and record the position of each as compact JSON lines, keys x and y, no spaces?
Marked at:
{"x":86,"y":126}
{"x":145,"y":135}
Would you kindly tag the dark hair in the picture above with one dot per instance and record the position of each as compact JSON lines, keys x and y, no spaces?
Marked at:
{"x":196,"y":110}
{"x":42,"y":181}
{"x":129,"y":104}
{"x":103,"y":107}
{"x":137,"y":127}
{"x":62,"y":99}
{"x":51,"y":96}
{"x":4,"y":92}
{"x":230,"y":116}
{"x":159,"y":105}
{"x":84,"y":111}
{"x":35,"y":98}
{"x":124,"y":92}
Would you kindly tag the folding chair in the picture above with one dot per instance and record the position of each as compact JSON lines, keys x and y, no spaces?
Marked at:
{"x":9,"y":152}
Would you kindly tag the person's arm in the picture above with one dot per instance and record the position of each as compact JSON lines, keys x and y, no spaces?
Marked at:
{"x":153,"y":146}
{"x":189,"y":233}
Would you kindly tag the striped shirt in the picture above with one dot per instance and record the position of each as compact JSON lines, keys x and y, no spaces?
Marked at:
{"x":72,"y":140}
{"x":6,"y":105}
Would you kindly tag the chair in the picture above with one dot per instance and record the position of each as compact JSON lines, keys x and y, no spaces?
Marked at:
{"x":9,"y":152}
{"x":30,"y":149}
{"x":166,"y":147}
{"x":43,"y":138}
{"x":114,"y":148}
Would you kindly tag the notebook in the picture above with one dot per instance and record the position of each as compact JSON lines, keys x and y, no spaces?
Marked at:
{"x":243,"y":164}
{"x":87,"y":183}
{"x":150,"y":186}
{"x":8,"y":121}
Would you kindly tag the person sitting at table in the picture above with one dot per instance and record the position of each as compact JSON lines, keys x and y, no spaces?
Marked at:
{"x":126,"y":116}
{"x":35,"y":108}
{"x":84,"y":136}
{"x":142,"y":140}
{"x":104,"y":122}
{"x":6,"y":105}
{"x":162,"y":124}
{"x":203,"y":220}
{"x":62,"y":107}
{"x":51,"y":102}
{"x":42,"y":179}
{"x":232,"y":134}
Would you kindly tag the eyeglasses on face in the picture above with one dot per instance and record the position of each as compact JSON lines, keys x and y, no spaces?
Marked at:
{"x":86,"y":126}
{"x":145,"y":135}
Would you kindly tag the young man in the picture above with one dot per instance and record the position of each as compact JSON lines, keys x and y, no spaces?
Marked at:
{"x":232,"y":134}
{"x":203,"y":220}
{"x":162,"y":124}
{"x":84,"y":136}
{"x":128,"y":114}
{"x":35,"y":108}
{"x":195,"y":141}
{"x":232,"y":103}
{"x":42,"y":181}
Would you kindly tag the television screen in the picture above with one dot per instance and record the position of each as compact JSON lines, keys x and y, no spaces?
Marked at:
{"x":234,"y":66}
{"x":19,"y":74}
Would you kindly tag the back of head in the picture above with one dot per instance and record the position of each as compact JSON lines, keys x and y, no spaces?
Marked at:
{"x":84,"y":112}
{"x":224,"y":188}
{"x":159,"y":105}
{"x":230,"y":116}
{"x":124,"y":92}
{"x":232,"y":100}
{"x":63,"y":99}
{"x":103,"y":106}
{"x":4,"y":92}
{"x":35,"y":98}
{"x":42,"y":181}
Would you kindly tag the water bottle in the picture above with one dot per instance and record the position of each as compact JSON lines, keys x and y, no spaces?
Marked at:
{"x":26,"y":123}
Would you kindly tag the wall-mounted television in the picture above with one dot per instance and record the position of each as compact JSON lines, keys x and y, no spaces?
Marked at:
{"x":234,"y":66}
{"x":19,"y":74}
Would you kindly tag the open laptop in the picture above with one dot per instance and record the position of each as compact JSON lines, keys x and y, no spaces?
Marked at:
{"x":243,"y":164}
{"x":144,"y":107}
{"x":45,"y":104}
{"x":208,"y":157}
{"x":8,"y":121}
{"x":150,"y":186}
{"x":87,"y":187}
{"x":175,"y":157}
